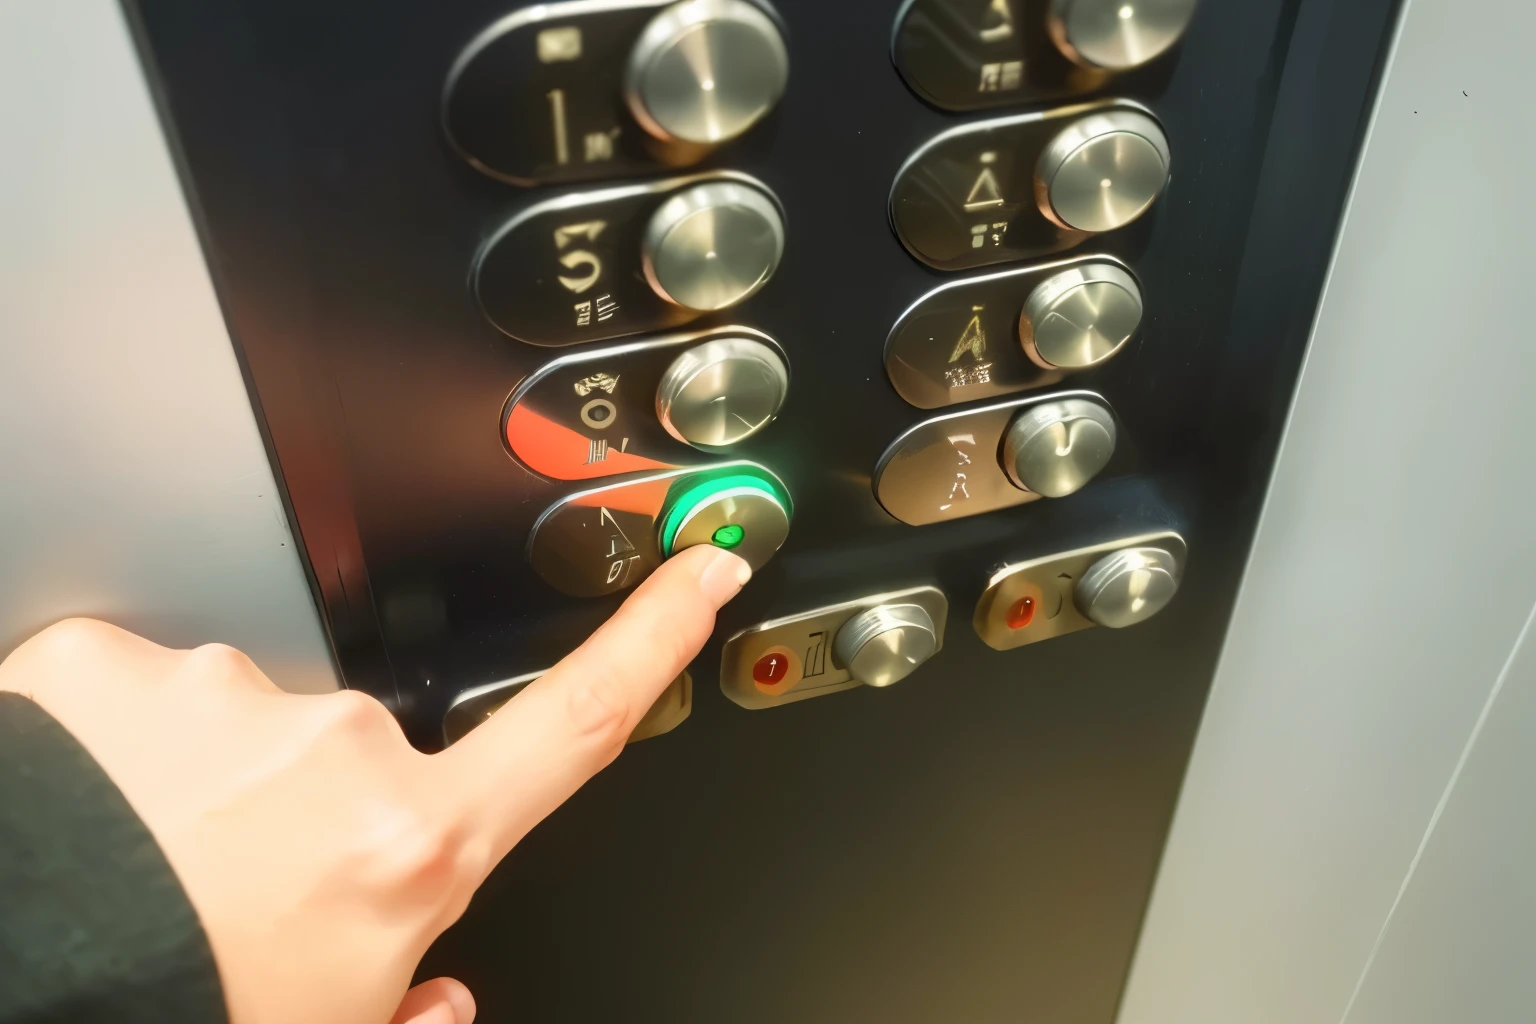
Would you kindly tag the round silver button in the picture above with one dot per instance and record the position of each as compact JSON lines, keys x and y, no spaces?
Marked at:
{"x":713,"y":244}
{"x":885,"y":644}
{"x":1102,"y":171}
{"x":721,"y":392}
{"x":1080,"y":316}
{"x":736,"y":513}
{"x":704,"y":71}
{"x":1055,"y":448}
{"x":1117,"y":34}
{"x":1128,"y":586}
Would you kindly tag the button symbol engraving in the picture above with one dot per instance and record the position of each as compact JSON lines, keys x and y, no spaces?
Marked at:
{"x":578,"y":258}
{"x":620,"y":551}
{"x":816,"y":655}
{"x":599,"y":413}
{"x":596,"y":382}
{"x":597,"y":450}
{"x":598,"y":146}
{"x":984,"y":192}
{"x":1001,"y":77}
{"x":556,"y":99}
{"x":564,"y":43}
{"x":973,"y":339}
{"x":980,"y":235}
{"x":998,"y":12}
{"x":958,"y":487}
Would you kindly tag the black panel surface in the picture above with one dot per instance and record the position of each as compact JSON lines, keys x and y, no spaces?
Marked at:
{"x":976,"y":844}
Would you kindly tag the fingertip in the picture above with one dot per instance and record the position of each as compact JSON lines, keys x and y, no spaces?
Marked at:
{"x":438,"y":1001}
{"x":461,"y":999}
{"x":720,"y":573}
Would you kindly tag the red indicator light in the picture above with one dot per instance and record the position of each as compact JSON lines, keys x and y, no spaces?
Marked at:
{"x":1021,"y":613}
{"x":770,"y":669}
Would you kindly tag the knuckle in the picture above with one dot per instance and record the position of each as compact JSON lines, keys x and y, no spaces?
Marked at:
{"x":219,"y":660}
{"x":353,"y":711}
{"x":599,"y":712}
{"x":74,"y":640}
{"x":411,"y":852}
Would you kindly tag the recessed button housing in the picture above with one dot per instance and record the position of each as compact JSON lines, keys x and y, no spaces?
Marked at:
{"x":1029,"y":185}
{"x":475,"y":705}
{"x":1117,"y":583}
{"x":603,"y":263}
{"x":995,"y":456}
{"x":1011,"y":330}
{"x":873,"y":641}
{"x":609,"y":538}
{"x":580,"y":90}
{"x":646,"y":405}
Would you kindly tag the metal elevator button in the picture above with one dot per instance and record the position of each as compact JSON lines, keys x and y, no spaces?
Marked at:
{"x":603,"y":263}
{"x":1011,"y":330}
{"x":609,"y":538}
{"x":873,"y":641}
{"x":993,"y":457}
{"x":1114,"y":35}
{"x":1117,"y":583}
{"x":579,"y":90}
{"x":704,"y":71}
{"x":1028,"y":185}
{"x":722,"y":392}
{"x":633,"y":406}
{"x":711,"y":245}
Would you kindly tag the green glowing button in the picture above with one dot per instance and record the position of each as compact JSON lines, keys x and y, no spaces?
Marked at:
{"x":728,"y":536}
{"x":745,"y":512}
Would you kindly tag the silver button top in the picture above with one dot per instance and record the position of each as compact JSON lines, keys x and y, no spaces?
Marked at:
{"x":742,"y":516}
{"x":712,"y":245}
{"x":1102,"y":171}
{"x":704,"y":71}
{"x":721,"y":392}
{"x":885,"y":644}
{"x":1055,"y":448}
{"x":1118,"y":34}
{"x":1080,"y":316}
{"x":1128,"y":586}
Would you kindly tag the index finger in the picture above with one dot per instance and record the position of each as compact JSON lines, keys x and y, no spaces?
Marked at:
{"x":566,"y":726}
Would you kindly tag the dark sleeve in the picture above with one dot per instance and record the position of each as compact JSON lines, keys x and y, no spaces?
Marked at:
{"x":94,"y":926}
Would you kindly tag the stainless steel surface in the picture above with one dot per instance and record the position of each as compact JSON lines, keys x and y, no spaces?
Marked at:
{"x":761,"y":519}
{"x":968,"y":197}
{"x":479,"y":703}
{"x":545,"y":429}
{"x":947,"y":467}
{"x":885,"y":644}
{"x":1055,"y":448}
{"x":1129,"y":586}
{"x":960,"y":341}
{"x":1081,"y":316}
{"x":712,"y":245}
{"x":1102,"y":171}
{"x":566,"y":270}
{"x":603,"y":540}
{"x":722,"y":392}
{"x":1035,"y":600}
{"x":1118,"y":34}
{"x":798,"y":648}
{"x":137,"y":487}
{"x":704,"y":71}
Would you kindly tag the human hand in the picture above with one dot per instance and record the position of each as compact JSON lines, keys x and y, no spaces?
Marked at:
{"x":323,"y":853}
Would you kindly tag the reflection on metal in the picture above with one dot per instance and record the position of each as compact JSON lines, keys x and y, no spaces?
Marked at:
{"x":786,"y":660}
{"x":607,"y":539}
{"x":931,"y":201}
{"x":948,"y":467}
{"x":722,"y":392}
{"x":607,"y":399}
{"x":712,"y":245}
{"x":705,"y":71}
{"x":1055,"y":448}
{"x":474,"y":706}
{"x":885,"y":644}
{"x":573,"y":268}
{"x":1102,"y":171}
{"x":1050,"y":596}
{"x":1116,"y":35}
{"x":962,"y":341}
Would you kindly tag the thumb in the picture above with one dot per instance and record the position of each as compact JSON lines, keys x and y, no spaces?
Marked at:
{"x":439,"y":1001}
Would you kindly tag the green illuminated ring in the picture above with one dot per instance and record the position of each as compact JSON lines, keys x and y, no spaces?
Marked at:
{"x":690,"y":498}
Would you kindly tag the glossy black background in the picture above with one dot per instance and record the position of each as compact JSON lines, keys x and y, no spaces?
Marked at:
{"x":976,"y":844}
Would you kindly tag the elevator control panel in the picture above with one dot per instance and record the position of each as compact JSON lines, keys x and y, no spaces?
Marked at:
{"x":874,"y":641}
{"x":1115,"y":584}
